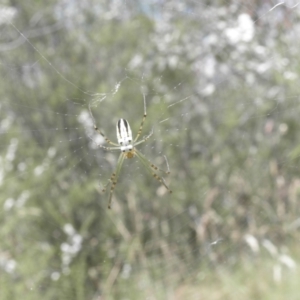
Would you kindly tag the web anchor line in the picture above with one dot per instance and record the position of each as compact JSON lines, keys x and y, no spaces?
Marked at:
{"x":51,"y":65}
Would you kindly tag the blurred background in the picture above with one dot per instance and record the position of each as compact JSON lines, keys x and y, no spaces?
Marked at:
{"x":221,"y":83}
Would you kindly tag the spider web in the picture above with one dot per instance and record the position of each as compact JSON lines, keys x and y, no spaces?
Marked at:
{"x":220,"y":82}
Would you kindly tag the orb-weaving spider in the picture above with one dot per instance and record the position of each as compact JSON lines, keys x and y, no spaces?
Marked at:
{"x":128,"y":150}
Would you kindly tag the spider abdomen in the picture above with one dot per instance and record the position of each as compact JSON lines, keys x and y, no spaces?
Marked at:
{"x":124,"y":135}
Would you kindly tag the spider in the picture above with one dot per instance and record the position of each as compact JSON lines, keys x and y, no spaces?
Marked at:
{"x":127,"y":146}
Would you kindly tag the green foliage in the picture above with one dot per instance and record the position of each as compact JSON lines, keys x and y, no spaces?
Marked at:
{"x":233,"y":152}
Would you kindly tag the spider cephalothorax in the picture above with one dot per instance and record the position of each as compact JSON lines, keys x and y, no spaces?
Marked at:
{"x":127,"y":146}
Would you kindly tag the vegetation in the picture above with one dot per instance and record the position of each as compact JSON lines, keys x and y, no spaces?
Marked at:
{"x":224,"y":109}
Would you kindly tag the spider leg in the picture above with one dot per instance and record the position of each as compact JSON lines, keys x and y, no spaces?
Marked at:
{"x":143,"y":120}
{"x":114,"y":178}
{"x":103,"y":147}
{"x":144,"y":139}
{"x":99,"y":131}
{"x":108,"y":141}
{"x":149,"y":166}
{"x":153,"y":166}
